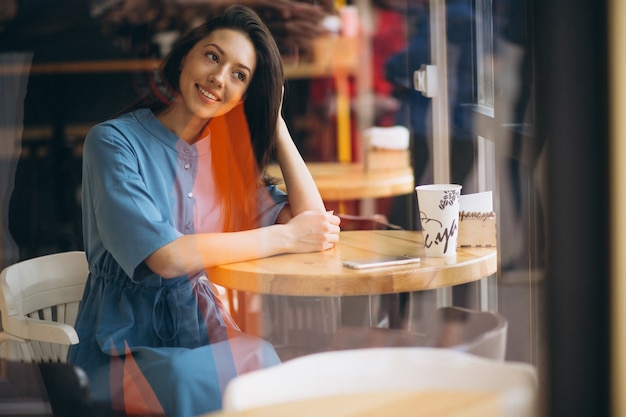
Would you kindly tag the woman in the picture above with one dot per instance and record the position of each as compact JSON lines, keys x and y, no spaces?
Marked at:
{"x":171,"y":188}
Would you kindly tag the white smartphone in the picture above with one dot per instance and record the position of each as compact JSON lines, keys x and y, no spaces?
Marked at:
{"x":380,"y":262}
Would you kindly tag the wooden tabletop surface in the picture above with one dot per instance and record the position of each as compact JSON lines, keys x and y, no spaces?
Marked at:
{"x":323,"y":273}
{"x":350,"y":181}
{"x":386,"y":403}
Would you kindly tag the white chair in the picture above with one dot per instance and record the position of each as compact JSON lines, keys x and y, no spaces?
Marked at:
{"x":39,"y":300}
{"x":377,"y":369}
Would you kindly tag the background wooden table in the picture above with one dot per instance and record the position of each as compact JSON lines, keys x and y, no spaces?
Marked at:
{"x":350,"y":181}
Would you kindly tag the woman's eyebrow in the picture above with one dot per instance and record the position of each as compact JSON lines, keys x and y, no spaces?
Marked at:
{"x":216,"y":46}
{"x":222,"y":52}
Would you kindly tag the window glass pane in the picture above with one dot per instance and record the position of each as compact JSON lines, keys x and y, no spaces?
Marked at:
{"x":484,"y":54}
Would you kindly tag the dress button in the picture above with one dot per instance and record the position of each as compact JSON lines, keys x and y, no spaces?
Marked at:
{"x":187,"y":165}
{"x":189,"y":195}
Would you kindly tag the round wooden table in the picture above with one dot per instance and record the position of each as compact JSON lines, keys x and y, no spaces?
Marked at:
{"x":323,"y":274}
{"x":350,"y":181}
{"x":311,"y":285}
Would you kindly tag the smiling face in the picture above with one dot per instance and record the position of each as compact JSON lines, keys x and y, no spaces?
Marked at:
{"x":215,"y":74}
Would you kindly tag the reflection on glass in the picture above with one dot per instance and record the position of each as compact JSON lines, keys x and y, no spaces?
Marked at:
{"x":484,"y":54}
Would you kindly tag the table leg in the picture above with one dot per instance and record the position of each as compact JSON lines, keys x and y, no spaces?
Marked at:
{"x":489,"y":293}
{"x":242,"y":313}
{"x":444,"y":297}
{"x":302,"y":324}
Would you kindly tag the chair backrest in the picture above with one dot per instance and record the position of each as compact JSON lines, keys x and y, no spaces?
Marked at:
{"x":482,"y":333}
{"x":39,"y":301}
{"x":376,"y":369}
{"x":22,"y":390}
{"x":366,"y":222}
{"x":48,"y":389}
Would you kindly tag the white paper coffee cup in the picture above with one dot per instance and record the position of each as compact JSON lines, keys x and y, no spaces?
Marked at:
{"x":439,"y":217}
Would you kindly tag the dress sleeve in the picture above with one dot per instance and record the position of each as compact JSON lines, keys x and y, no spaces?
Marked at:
{"x":122,"y":214}
{"x":272,"y":201}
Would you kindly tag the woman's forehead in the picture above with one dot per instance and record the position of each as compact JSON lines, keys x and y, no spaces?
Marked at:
{"x":233,"y":42}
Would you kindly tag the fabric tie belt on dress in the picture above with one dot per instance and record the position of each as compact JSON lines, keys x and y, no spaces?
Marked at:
{"x":165,"y":314}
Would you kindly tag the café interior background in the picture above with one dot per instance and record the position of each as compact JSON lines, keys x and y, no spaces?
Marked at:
{"x":46,"y":109}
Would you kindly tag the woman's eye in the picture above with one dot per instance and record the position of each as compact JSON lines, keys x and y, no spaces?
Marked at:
{"x":241,"y":76}
{"x":212,"y":56}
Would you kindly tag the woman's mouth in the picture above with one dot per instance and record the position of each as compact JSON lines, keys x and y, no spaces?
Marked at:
{"x":207,"y":93}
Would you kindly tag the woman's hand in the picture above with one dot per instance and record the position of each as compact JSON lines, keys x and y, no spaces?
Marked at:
{"x":313,"y":231}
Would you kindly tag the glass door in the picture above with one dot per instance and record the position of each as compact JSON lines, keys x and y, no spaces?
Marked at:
{"x":471,"y":123}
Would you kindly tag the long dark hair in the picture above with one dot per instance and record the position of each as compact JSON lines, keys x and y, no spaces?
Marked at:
{"x":261,"y":107}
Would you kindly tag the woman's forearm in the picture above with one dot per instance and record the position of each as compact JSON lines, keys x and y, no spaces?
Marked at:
{"x":301,"y":189}
{"x":192,"y":253}
{"x":311,"y":231}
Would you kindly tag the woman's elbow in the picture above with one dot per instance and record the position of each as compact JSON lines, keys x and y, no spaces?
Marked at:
{"x":166,"y":262}
{"x":164,"y":269}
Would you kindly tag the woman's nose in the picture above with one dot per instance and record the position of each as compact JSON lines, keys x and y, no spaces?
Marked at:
{"x":217,"y":77}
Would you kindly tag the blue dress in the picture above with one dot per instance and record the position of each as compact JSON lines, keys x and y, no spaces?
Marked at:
{"x":165,"y":345}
